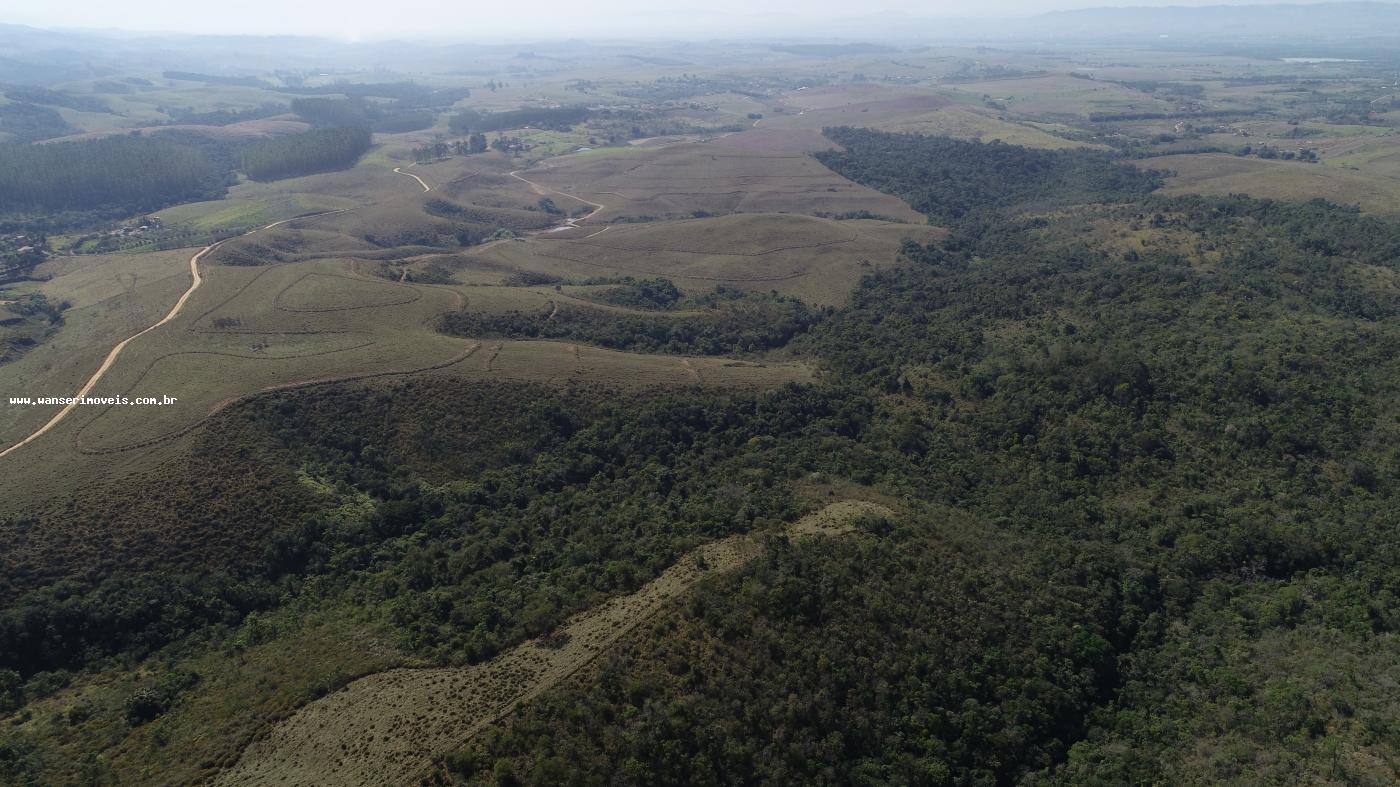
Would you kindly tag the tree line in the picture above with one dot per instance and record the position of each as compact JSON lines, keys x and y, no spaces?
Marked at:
{"x":948,"y":179}
{"x":66,"y":185}
{"x":319,"y":150}
{"x":728,"y":322}
{"x":556,"y":118}
{"x":127,"y":173}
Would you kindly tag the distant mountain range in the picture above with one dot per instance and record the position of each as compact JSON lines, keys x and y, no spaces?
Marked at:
{"x":1345,"y":24}
{"x":1241,"y":22}
{"x":1366,"y":30}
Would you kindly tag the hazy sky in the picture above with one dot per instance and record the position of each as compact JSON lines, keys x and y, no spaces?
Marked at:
{"x":360,"y":19}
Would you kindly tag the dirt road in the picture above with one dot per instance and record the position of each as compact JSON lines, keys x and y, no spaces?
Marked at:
{"x":421,"y":182}
{"x":195,"y":281}
{"x":542,"y":190}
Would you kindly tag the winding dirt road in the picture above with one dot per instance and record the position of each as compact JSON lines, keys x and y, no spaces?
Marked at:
{"x":195,"y":281}
{"x":541,"y":189}
{"x":421,"y":182}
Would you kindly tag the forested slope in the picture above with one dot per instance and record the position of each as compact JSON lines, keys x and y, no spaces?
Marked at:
{"x":948,"y":179}
{"x":1142,"y":453}
{"x":129,"y":173}
{"x":65,"y":185}
{"x":321,"y":150}
{"x":1196,"y":433}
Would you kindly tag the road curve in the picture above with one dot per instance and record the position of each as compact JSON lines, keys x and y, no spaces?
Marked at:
{"x":542,"y":189}
{"x":421,"y":182}
{"x":195,"y":281}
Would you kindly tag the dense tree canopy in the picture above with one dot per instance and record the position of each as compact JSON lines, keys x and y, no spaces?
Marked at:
{"x":560,"y":118}
{"x":321,"y":150}
{"x":947,"y":179}
{"x":722,"y":322}
{"x":29,"y":122}
{"x":131,"y":173}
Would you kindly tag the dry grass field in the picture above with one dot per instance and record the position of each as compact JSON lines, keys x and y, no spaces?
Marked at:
{"x":337,"y":296}
{"x":237,"y":212}
{"x":252,"y":329}
{"x":244,"y":130}
{"x":111,"y":297}
{"x":305,"y":303}
{"x":385,"y":728}
{"x":1061,"y":95}
{"x":817,"y":260}
{"x":907,"y":110}
{"x":243,"y":691}
{"x":722,"y":176}
{"x":1372,"y":188}
{"x":561,"y":363}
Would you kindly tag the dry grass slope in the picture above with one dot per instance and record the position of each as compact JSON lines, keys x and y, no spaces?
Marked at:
{"x":723,"y":176}
{"x":818,"y":260}
{"x":1219,"y":174}
{"x":386,"y":728}
{"x":902,"y":109}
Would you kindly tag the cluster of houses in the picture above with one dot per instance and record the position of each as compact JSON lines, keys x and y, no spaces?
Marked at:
{"x":145,"y":225}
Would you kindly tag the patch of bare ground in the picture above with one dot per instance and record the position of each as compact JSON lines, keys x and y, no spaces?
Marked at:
{"x":387,"y":727}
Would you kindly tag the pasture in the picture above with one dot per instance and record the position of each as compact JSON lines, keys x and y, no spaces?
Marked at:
{"x":1220,"y":174}
{"x":817,"y":260}
{"x":238,"y":212}
{"x":356,"y":293}
{"x":338,"y":296}
{"x":740,"y":173}
{"x":300,"y":304}
{"x":111,"y":296}
{"x":1061,"y":95}
{"x":251,"y":329}
{"x":906,"y":110}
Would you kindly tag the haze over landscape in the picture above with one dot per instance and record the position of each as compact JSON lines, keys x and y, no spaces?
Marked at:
{"x":785,"y":394}
{"x":360,"y":20}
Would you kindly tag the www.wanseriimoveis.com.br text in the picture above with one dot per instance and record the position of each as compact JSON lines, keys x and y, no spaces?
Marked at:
{"x":157,"y":401}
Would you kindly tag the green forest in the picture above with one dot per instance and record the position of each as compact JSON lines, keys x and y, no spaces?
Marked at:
{"x":321,"y":150}
{"x":1140,"y":495}
{"x":128,"y":173}
{"x":31,"y":122}
{"x":730,"y":322}
{"x":70,"y":185}
{"x":557,"y":118}
{"x":948,"y":179}
{"x":1144,"y":482}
